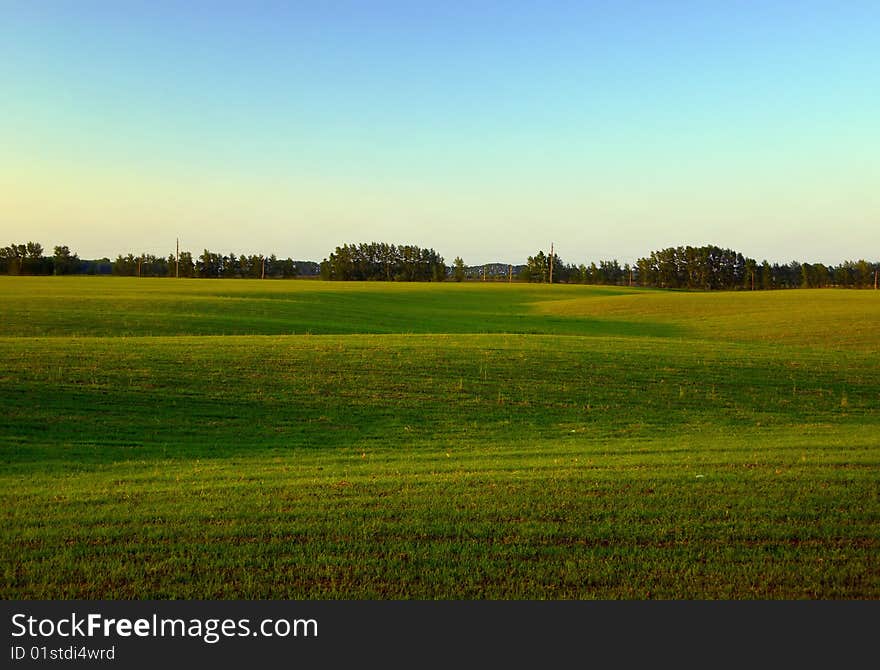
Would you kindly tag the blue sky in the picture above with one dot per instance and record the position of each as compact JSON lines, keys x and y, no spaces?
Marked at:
{"x":481,"y":129}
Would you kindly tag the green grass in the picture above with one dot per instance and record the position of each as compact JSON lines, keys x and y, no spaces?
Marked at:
{"x":100,"y":306}
{"x":246,"y":439}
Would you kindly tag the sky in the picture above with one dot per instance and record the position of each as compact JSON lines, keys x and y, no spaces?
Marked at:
{"x":481,"y":129}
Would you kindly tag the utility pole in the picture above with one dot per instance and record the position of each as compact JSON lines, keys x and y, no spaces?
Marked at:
{"x":140,"y":258}
{"x":177,"y":260}
{"x":551,"y":262}
{"x":263,"y":276}
{"x":510,"y":274}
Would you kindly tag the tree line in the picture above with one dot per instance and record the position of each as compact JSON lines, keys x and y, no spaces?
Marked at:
{"x":712,"y":268}
{"x":685,"y":267}
{"x":541,"y":268}
{"x":379,"y":261}
{"x":29,"y":259}
{"x":703,"y":268}
{"x":210,"y":265}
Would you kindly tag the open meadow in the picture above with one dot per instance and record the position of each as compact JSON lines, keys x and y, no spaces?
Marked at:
{"x":246,"y":439}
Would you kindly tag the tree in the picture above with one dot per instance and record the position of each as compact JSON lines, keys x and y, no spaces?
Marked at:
{"x":537,"y":268}
{"x":27,"y":259}
{"x":288,"y":268}
{"x":610,"y":272}
{"x":383,"y":262}
{"x":458,"y":274}
{"x":766,"y":276}
{"x":750,"y":274}
{"x":64,"y":262}
{"x":864,"y":276}
{"x":230,"y":266}
{"x":125,"y":266}
{"x":34,"y":250}
{"x":13,"y":257}
{"x":209,"y":265}
{"x":187,"y":267}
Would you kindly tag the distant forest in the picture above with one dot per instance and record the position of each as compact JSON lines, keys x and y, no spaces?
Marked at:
{"x":706,"y":268}
{"x":697,"y":268}
{"x":28,"y":259}
{"x":383,"y":262}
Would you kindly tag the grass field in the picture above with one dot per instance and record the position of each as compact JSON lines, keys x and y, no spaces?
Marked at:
{"x":301,"y":439}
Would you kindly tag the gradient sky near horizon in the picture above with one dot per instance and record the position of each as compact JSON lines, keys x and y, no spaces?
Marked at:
{"x":484,"y":129}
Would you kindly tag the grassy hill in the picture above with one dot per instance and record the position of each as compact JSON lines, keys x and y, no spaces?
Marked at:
{"x":268,"y":439}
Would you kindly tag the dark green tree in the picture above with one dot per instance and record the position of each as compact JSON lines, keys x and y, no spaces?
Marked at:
{"x":458,"y":273}
{"x":65,"y":262}
{"x":537,"y":268}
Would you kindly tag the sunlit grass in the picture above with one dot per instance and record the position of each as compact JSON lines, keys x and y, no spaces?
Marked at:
{"x":619,"y":452}
{"x":833,"y":318}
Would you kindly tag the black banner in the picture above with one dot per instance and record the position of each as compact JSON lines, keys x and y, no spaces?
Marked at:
{"x":150,"y":634}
